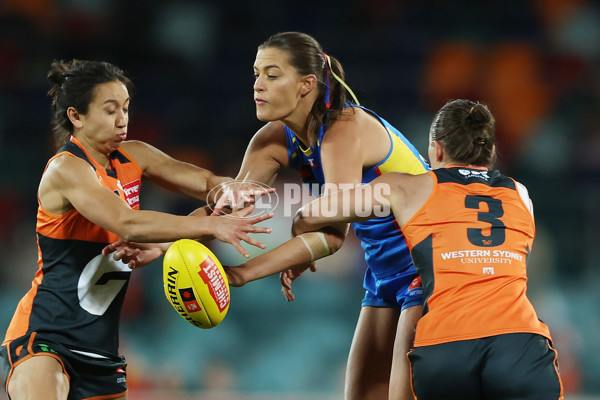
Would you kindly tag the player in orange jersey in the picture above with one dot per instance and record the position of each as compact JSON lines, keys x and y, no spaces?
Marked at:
{"x":62,"y":342}
{"x":470,"y":231}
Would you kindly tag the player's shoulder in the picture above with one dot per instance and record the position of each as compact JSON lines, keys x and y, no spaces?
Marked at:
{"x":65,"y":170}
{"x":270,"y":134}
{"x":135,"y":148}
{"x":406,"y":180}
{"x":66,"y":162}
{"x":142,"y":154}
{"x":353,"y":122}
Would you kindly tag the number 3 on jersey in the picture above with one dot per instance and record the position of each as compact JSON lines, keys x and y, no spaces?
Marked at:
{"x":491,"y":216}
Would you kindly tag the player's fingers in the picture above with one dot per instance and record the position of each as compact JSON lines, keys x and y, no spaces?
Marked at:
{"x":258,"y":229}
{"x":245,"y":212}
{"x":109,"y":248}
{"x":246,"y":197}
{"x":253,"y":242}
{"x":263,"y":191}
{"x":289,"y":296}
{"x":117,"y":255}
{"x":313,"y":267}
{"x":239,"y":248}
{"x":286,"y":282}
{"x":260,"y":218}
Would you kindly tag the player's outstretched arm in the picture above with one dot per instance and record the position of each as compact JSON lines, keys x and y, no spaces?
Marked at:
{"x":298,"y":251}
{"x":70,"y":182}
{"x":172,"y":174}
{"x":359,"y":203}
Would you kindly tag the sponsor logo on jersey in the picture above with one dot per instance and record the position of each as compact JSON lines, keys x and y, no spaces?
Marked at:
{"x":132,"y":193}
{"x":45,"y":348}
{"x":470,"y":173}
{"x":210,"y":274}
{"x":189,"y":300}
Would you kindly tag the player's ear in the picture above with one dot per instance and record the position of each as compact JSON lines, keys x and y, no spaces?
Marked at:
{"x":309,"y":82}
{"x":439,"y":151}
{"x":74,"y":117}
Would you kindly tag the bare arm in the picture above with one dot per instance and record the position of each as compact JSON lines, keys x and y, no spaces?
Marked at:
{"x":70,"y":182}
{"x":174,"y":175}
{"x":288,"y":255}
{"x":394,"y":192}
{"x":266,"y":155}
{"x":343,"y":156}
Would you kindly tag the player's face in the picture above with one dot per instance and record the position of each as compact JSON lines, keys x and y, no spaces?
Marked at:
{"x":277,"y":85}
{"x":104,"y":126}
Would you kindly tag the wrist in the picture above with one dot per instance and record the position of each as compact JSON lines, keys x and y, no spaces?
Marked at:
{"x":216,"y":186}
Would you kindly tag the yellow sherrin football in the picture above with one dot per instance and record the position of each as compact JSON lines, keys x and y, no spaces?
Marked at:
{"x":195,"y":283}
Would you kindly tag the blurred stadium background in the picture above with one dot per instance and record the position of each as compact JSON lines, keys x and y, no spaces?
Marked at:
{"x":535,"y":63}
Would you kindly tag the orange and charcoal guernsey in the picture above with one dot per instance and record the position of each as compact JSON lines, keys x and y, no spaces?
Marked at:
{"x":77,"y":294}
{"x":470,"y":243}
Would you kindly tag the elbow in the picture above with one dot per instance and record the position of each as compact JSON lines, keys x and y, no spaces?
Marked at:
{"x":129,"y":235}
{"x":302,"y":222}
{"x":127,"y":229}
{"x":298,"y":224}
{"x":335,"y":236}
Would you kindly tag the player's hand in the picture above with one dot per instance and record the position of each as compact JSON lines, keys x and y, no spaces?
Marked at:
{"x":235,"y":227}
{"x":239,"y":195}
{"x":287,"y":277}
{"x":133,"y":254}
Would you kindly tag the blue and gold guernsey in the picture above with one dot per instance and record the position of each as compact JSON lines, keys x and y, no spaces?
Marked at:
{"x":391,"y":278}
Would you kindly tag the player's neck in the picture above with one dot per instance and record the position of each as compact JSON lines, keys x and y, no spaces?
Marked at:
{"x":471,"y":166}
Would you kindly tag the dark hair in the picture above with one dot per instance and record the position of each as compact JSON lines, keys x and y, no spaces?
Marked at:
{"x":467,"y":131}
{"x":307,"y":56}
{"x":73,"y":84}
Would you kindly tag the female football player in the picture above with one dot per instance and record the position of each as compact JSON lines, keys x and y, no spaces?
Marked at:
{"x":314,"y":128}
{"x":470,"y":231}
{"x":62,"y":342}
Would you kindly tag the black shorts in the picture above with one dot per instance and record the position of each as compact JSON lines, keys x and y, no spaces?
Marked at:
{"x":507,"y":367}
{"x":89,"y":377}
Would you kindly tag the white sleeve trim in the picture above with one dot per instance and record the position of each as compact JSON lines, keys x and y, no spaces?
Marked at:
{"x":525,"y":196}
